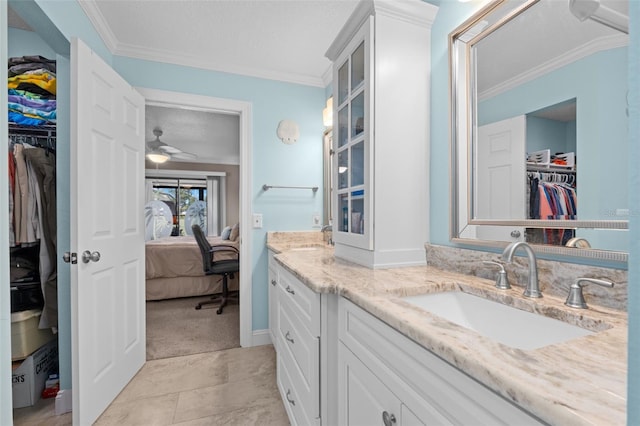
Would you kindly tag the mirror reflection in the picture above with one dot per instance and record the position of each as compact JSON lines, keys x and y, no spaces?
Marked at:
{"x":540,"y":126}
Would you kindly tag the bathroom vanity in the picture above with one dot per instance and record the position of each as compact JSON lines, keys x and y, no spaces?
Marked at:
{"x":352,"y":350}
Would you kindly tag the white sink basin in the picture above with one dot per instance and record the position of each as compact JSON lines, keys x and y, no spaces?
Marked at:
{"x":510,"y":326}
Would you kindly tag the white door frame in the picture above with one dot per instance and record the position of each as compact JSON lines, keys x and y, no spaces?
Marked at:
{"x":170,"y":99}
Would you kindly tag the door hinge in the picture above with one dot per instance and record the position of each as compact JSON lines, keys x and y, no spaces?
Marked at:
{"x":71,"y":258}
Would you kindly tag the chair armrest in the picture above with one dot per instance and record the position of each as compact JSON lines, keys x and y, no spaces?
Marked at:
{"x":223,"y":248}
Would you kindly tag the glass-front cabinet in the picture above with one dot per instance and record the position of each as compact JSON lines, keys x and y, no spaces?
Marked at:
{"x":381,"y":83}
{"x":352,"y":217}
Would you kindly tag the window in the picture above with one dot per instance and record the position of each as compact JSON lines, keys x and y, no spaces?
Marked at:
{"x":191,"y":200}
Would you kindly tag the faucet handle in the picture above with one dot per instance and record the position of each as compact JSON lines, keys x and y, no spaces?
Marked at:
{"x":575,"y":299}
{"x":502,"y":282}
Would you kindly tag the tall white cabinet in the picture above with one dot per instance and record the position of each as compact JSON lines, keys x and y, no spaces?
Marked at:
{"x":381,"y":84}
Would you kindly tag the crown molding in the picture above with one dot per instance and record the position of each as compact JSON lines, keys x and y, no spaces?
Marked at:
{"x":595,"y":46}
{"x":327,"y":76}
{"x":197,"y":61}
{"x":91,"y":9}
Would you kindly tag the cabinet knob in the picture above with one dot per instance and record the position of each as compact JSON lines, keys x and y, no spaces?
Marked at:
{"x":388,"y":419}
{"x":273,"y":282}
{"x":288,"y":337}
{"x":290,"y":290}
{"x":291,"y":401}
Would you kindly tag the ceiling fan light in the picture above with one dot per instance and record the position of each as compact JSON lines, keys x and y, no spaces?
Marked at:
{"x":158,"y":157}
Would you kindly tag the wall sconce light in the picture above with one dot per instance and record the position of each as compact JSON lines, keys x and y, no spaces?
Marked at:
{"x":327,"y":113}
{"x":288,"y":131}
{"x":592,"y":9}
{"x":158,"y":156}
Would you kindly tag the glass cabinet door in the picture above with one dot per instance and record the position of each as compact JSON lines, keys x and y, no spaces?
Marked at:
{"x":351,"y":145}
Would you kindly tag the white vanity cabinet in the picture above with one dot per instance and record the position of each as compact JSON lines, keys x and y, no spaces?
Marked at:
{"x":273,"y":299}
{"x":381,"y":84}
{"x":385,"y":378}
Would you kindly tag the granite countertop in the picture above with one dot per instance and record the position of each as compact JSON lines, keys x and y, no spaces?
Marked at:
{"x":581,"y":381}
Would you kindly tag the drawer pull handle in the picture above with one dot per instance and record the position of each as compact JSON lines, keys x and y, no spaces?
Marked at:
{"x":288,"y":337}
{"x":292,"y":402}
{"x":388,"y":419}
{"x":273,"y":282}
{"x":290,"y":290}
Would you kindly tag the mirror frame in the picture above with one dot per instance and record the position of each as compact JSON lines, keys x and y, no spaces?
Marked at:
{"x":463,"y":128}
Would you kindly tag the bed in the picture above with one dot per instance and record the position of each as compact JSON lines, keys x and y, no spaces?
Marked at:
{"x":174,"y":268}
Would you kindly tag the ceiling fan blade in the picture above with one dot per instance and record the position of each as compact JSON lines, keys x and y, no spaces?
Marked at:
{"x":170,"y":149}
{"x":184,"y":156}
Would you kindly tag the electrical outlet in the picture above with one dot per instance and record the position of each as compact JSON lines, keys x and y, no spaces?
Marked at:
{"x":316,"y":221}
{"x":257,"y":220}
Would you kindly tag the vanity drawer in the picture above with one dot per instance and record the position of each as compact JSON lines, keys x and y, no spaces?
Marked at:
{"x":300,"y":410}
{"x":303,"y":301}
{"x":303,"y":348}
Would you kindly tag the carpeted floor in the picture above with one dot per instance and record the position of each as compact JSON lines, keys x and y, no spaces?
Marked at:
{"x":176,"y":328}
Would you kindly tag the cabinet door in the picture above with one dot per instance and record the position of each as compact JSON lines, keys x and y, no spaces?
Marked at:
{"x":363,"y":398}
{"x":353,"y":165}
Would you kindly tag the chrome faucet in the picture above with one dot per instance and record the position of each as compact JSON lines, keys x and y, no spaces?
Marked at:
{"x":532,"y":289}
{"x":324,"y":230}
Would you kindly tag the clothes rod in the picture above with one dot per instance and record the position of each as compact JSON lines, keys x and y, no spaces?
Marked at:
{"x":266,"y":187}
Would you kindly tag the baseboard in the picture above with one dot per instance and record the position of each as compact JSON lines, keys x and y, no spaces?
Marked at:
{"x":64,"y":402}
{"x":261,"y":337}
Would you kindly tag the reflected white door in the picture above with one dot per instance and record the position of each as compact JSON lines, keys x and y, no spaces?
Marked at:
{"x":501,"y":179}
{"x":107,"y":198}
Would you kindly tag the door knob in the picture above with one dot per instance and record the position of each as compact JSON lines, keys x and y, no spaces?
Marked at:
{"x":87,"y":256}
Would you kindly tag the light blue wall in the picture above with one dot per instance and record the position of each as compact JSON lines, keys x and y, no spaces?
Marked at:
{"x":274,"y":163}
{"x":543,"y":133}
{"x":633,"y":379}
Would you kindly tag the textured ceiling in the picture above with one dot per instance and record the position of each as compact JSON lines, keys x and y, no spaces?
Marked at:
{"x":277,"y":39}
{"x":212,"y":137}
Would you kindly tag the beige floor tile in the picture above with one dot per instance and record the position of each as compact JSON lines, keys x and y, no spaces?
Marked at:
{"x":236,"y":386}
{"x":217,"y":400}
{"x":173,"y":375}
{"x":272,"y":414}
{"x":249,"y":362}
{"x":157,"y":411}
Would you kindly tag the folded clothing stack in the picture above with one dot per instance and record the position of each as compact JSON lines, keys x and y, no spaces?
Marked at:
{"x":32,"y":90}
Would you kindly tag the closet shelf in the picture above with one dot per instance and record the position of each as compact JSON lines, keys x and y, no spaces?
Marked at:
{"x":558,"y":168}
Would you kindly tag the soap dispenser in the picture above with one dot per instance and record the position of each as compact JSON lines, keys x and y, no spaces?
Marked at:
{"x":502,"y":282}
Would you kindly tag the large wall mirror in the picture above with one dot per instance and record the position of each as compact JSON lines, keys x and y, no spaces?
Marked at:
{"x":539,"y":127}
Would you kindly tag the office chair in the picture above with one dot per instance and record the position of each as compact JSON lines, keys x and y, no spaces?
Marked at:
{"x":211,"y":266}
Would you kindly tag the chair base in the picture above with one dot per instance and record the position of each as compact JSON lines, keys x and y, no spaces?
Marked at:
{"x":231,"y":296}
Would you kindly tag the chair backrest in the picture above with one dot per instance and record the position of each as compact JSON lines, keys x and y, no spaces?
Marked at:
{"x":205,"y":247}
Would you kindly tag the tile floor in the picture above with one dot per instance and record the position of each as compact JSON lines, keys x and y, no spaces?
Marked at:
{"x":234,"y":386}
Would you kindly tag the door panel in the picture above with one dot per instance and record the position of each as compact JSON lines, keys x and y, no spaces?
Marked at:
{"x":501,"y":177}
{"x":107,"y":178}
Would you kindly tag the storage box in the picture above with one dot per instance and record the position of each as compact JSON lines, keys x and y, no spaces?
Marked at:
{"x":28,"y":378}
{"x":26,"y":337}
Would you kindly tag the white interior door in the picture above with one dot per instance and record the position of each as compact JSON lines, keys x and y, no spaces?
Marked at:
{"x":107,"y":199}
{"x":500,"y":177}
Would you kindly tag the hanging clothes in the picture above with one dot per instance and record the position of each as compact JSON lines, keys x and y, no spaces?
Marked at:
{"x":42,"y":166}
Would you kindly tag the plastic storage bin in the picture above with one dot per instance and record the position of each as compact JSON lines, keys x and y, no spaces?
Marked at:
{"x":26,"y":337}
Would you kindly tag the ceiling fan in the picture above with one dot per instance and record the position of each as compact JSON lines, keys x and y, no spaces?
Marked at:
{"x":159,"y":152}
